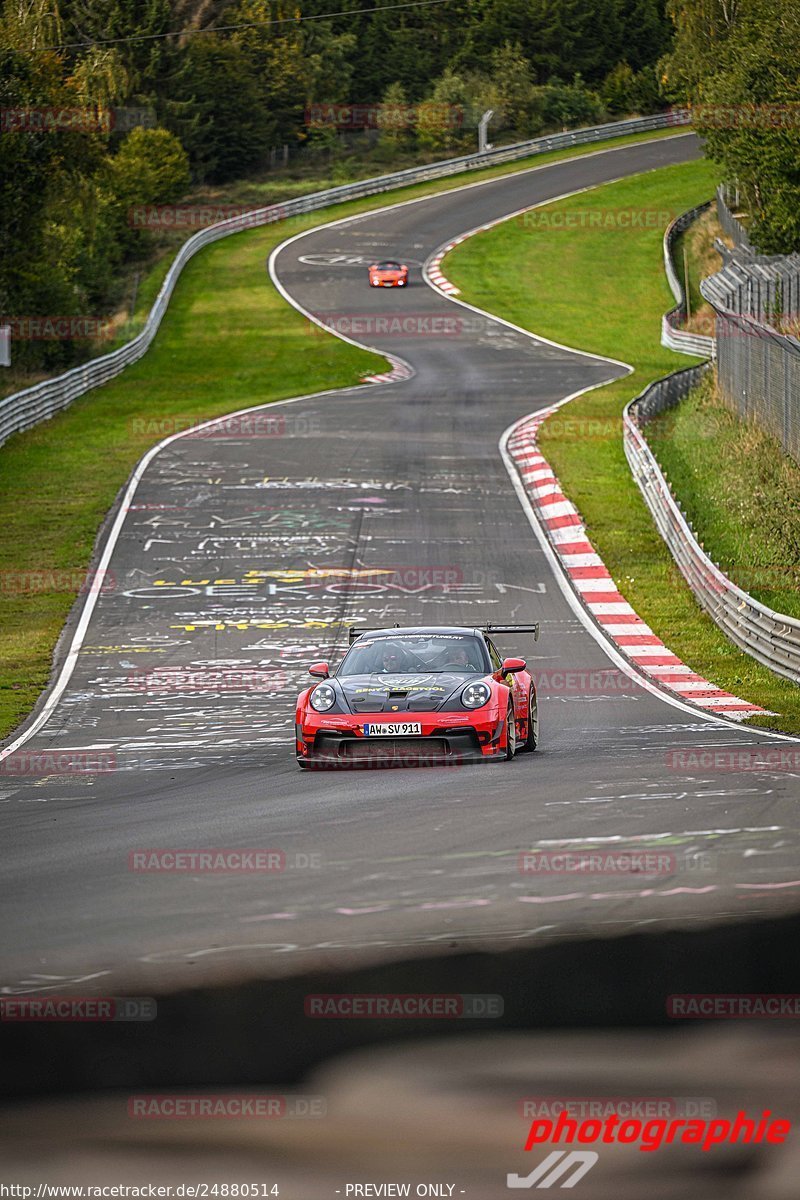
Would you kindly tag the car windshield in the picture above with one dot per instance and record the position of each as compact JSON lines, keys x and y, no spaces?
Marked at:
{"x":388,"y":266}
{"x":414,"y":652}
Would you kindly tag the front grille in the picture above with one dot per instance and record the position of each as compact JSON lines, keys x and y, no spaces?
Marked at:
{"x":381,"y":749}
{"x":449,"y":747}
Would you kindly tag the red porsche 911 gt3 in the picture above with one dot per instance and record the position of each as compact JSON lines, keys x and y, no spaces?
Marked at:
{"x":388,"y":274}
{"x":418,"y":695}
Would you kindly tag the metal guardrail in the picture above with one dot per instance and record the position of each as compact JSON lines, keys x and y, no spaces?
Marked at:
{"x":758,"y":366}
{"x":758,"y":371}
{"x":672,"y":336}
{"x":764,"y":288}
{"x":730,"y":223}
{"x":24,"y":409}
{"x":773,"y":639}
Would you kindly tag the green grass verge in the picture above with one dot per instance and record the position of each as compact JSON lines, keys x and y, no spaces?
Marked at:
{"x":753,"y":532}
{"x":604,"y":290}
{"x":701,"y":259}
{"x":227,"y":341}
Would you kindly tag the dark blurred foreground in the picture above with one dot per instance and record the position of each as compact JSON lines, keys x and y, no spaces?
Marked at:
{"x":425,"y":1101}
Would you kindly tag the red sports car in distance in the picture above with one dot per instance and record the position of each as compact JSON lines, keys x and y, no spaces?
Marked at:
{"x":388,"y":274}
{"x":406,"y":697}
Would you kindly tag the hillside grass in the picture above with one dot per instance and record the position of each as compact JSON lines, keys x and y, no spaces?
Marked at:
{"x":747,"y":510}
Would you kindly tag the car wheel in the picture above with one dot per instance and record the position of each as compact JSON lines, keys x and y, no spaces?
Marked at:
{"x":532,"y":739}
{"x":511,"y":731}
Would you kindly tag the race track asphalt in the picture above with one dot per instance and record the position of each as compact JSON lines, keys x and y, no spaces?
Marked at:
{"x":193,"y":656}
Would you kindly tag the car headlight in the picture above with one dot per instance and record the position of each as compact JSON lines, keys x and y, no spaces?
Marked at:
{"x":323,"y":697}
{"x":475,"y":695}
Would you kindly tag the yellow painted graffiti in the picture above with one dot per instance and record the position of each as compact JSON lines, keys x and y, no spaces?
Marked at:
{"x":223,"y":625}
{"x":283,"y":575}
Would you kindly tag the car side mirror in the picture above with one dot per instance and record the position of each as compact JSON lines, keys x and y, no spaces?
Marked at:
{"x":512,"y":665}
{"x":319,"y":670}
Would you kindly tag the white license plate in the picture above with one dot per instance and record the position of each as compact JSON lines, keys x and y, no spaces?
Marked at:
{"x":393,"y":729}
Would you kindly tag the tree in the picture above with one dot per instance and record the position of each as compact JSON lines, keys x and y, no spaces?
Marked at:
{"x":570,"y":105}
{"x":746,"y":97}
{"x":394,"y":118}
{"x":645,"y":32}
{"x":330,"y":60}
{"x":276,"y":59}
{"x":408,"y":47}
{"x":702,"y":30}
{"x":617,"y":89}
{"x":47,"y":175}
{"x":511,"y":75}
{"x":646,"y":94}
{"x":150,"y":167}
{"x":28,"y":26}
{"x":439,"y":119}
{"x":235,"y":129}
{"x":145,"y":53}
{"x":100,"y":78}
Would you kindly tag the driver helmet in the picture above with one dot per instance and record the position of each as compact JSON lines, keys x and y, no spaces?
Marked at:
{"x":391,"y":657}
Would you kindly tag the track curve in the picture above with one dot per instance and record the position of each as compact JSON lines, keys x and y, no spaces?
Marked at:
{"x":245,"y":555}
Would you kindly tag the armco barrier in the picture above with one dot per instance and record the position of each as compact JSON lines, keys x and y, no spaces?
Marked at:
{"x":730,"y":223}
{"x":672,"y":336}
{"x":771,"y":638}
{"x":758,"y":365}
{"x":25,"y":409}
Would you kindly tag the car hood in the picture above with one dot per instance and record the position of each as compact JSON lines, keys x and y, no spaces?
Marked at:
{"x":403,"y":692}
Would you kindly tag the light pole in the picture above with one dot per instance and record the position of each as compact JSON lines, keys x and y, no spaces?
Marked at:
{"x":483,"y":128}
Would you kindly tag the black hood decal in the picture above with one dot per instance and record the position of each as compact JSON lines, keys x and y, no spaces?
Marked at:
{"x":403,"y":691}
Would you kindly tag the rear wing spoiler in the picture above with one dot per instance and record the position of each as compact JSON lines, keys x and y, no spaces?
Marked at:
{"x":355,"y":631}
{"x":534,"y":629}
